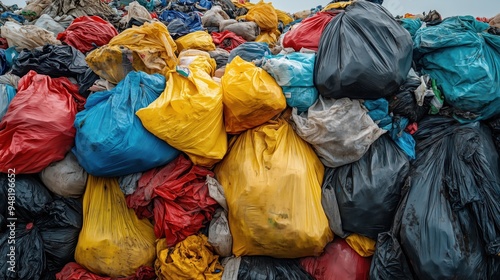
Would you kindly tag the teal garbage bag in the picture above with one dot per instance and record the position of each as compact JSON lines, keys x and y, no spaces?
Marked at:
{"x":465,"y":61}
{"x":300,"y":97}
{"x":110,"y":139}
{"x":411,"y":25}
{"x":250,"y":51}
{"x":7,"y":93}
{"x":293,"y":70}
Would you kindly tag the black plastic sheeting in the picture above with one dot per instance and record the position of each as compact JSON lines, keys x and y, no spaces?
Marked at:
{"x":367,"y":191}
{"x":46,"y":229}
{"x":450,"y":224}
{"x":363,"y":53}
{"x":267,"y":268}
{"x":494,"y":124}
{"x":404,"y":103}
{"x":56,"y":61}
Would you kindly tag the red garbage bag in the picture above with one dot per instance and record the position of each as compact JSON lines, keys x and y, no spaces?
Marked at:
{"x":74,"y":271}
{"x":177,"y":196}
{"x":338,"y":262}
{"x":308,"y":33}
{"x":38,"y":126}
{"x":87,"y":32}
{"x":3,"y":43}
{"x":227,"y":40}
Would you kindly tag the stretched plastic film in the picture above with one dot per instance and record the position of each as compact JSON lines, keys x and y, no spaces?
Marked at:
{"x":188,"y":116}
{"x":272,"y":182}
{"x":251,"y":96}
{"x":113,"y":241}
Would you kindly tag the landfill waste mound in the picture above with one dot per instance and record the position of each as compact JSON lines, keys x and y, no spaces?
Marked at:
{"x":229,"y":139}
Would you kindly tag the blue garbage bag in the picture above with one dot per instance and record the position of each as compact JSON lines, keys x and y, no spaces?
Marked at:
{"x":465,"y":61}
{"x":295,"y":69}
{"x":7,"y":93}
{"x":110,"y":139}
{"x":250,"y":51}
{"x":411,"y":25}
{"x":169,"y":15}
{"x":300,"y":97}
{"x":181,"y":26}
{"x":7,"y":15}
{"x":206,"y":4}
{"x":11,"y":56}
{"x":4,"y":66}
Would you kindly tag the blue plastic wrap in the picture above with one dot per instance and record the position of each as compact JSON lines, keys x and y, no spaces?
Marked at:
{"x":294,"y":69}
{"x":465,"y":61}
{"x":110,"y":139}
{"x":250,"y":51}
{"x":300,"y":97}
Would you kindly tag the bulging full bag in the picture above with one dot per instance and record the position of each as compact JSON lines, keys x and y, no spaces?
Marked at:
{"x":272,"y":182}
{"x":110,"y":139}
{"x":188,"y":115}
{"x":363,"y":53}
{"x":251,"y":96}
{"x":113,"y":241}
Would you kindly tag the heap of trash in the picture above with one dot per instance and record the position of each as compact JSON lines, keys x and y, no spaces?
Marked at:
{"x":218,"y":139}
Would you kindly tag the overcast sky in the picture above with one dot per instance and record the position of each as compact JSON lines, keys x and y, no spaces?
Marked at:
{"x":478,"y":8}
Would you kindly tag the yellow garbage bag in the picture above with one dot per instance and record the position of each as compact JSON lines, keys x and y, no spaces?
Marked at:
{"x":190,"y":259}
{"x":198,"y":40}
{"x":113,"y":241}
{"x":148,"y":48}
{"x":251,"y":96}
{"x":363,"y":245}
{"x":284,"y":17}
{"x":271,"y":38}
{"x":188,"y":116}
{"x":196,"y":59}
{"x":263,"y":14}
{"x":272,"y":182}
{"x":337,"y":5}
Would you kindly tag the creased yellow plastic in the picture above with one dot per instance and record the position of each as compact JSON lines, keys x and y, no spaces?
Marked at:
{"x":263,"y":14}
{"x":363,"y":245}
{"x":198,"y":40}
{"x":196,"y":59}
{"x":272,"y":182}
{"x":190,"y":259}
{"x":271,"y":38}
{"x":188,"y":116}
{"x":337,"y":5}
{"x":251,"y":96}
{"x":113,"y":241}
{"x":152,"y":49}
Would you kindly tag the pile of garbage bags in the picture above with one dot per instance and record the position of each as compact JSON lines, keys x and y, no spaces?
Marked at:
{"x":218,"y":139}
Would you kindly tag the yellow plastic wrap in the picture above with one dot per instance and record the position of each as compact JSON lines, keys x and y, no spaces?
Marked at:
{"x":271,"y":38}
{"x":196,"y":59}
{"x":284,"y":17}
{"x":148,"y":48}
{"x":113,"y":241}
{"x":198,"y":40}
{"x":272,"y":182}
{"x":190,"y":259}
{"x":363,"y":245}
{"x":263,"y":14}
{"x":337,"y":5}
{"x":251,"y":96}
{"x":188,"y":116}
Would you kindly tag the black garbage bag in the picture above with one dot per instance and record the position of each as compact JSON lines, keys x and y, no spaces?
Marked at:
{"x":367,"y":191}
{"x":52,"y":60}
{"x":220,"y":56}
{"x":227,"y":6}
{"x":494,"y":124}
{"x":267,"y":268}
{"x":45,"y":231}
{"x":450,"y":224}
{"x":389,"y":261}
{"x":85,"y":81}
{"x":404,"y":103}
{"x":363,"y":53}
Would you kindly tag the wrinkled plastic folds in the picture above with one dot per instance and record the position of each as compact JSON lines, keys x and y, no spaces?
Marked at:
{"x":308,"y":33}
{"x":198,"y":40}
{"x":110,"y":139}
{"x":38,"y":126}
{"x":250,"y":51}
{"x":290,"y":227}
{"x":7,"y":93}
{"x":75,"y":271}
{"x":66,"y":178}
{"x":251,"y":96}
{"x":292,"y":70}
